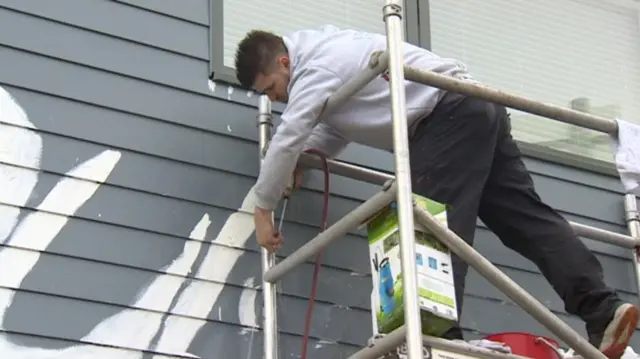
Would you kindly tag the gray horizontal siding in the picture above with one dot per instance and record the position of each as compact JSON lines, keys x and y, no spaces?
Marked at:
{"x":185,"y":151}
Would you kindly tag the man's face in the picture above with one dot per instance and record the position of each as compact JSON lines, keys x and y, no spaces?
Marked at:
{"x":274,"y":84}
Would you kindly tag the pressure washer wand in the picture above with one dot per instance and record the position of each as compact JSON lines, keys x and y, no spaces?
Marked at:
{"x":289,"y":190}
{"x":283,"y":212}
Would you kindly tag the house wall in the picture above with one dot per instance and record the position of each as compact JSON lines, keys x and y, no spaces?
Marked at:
{"x":126,"y":192}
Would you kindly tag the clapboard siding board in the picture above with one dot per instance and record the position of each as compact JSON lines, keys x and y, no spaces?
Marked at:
{"x":188,"y":158}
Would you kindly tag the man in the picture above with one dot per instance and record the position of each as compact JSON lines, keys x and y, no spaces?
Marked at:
{"x":461,"y":153}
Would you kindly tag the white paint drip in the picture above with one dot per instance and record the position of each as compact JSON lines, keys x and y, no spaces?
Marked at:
{"x":228,"y":128}
{"x":248,"y":317}
{"x":199,"y":297}
{"x":18,"y":146}
{"x":229,"y":92}
{"x":212,"y":85}
{"x":247,"y":300}
{"x":322,"y":343}
{"x":356,"y":274}
{"x":249,"y":94}
{"x":245,"y":331}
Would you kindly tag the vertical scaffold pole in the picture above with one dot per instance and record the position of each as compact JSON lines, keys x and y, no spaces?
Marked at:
{"x":269,"y":293}
{"x":392,"y":14}
{"x":633,"y":223}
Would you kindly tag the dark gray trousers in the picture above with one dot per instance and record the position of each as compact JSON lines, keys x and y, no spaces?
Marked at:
{"x":463,"y":155}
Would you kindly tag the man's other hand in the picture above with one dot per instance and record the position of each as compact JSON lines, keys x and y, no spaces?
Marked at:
{"x":266,"y":235}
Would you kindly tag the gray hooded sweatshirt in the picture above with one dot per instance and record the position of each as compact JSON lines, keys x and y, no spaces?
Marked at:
{"x":322,"y":61}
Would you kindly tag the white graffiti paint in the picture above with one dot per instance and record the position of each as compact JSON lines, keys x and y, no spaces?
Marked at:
{"x":247,"y":299}
{"x":229,"y":92}
{"x":130,"y":331}
{"x":199,"y":297}
{"x":17,"y":146}
{"x":37,"y":230}
{"x":211,"y":85}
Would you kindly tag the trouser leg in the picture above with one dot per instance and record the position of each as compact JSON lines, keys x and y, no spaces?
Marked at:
{"x":451,"y":156}
{"x":512,"y":209}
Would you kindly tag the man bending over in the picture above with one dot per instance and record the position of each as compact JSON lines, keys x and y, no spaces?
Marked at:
{"x":461,"y":152}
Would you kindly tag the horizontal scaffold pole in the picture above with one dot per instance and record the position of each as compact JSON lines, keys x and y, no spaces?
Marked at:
{"x":376,"y":177}
{"x":343,"y":226}
{"x":390,"y":342}
{"x":521,"y":103}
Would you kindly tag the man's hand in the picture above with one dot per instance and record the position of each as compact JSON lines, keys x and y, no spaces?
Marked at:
{"x":266,"y":235}
{"x":297,"y":182}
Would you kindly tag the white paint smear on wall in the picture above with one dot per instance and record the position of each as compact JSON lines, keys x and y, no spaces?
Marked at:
{"x":198,"y":299}
{"x":21,"y":148}
{"x":39,"y":229}
{"x":18,"y":146}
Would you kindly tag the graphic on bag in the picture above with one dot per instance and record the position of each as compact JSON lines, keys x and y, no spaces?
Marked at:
{"x":385,"y":277}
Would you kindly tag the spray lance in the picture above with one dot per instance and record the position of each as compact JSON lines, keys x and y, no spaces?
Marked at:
{"x":288,"y":191}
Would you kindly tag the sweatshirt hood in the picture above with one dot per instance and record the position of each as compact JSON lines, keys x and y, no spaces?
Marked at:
{"x":300,"y":45}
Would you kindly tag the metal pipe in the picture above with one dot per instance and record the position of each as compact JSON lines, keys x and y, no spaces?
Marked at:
{"x":345,"y":169}
{"x":604,"y":236}
{"x":378,"y":63}
{"x":347,"y":223}
{"x":391,"y":341}
{"x":633,"y":222}
{"x":382,"y":346}
{"x":517,"y":102}
{"x":508,"y":287}
{"x":392,"y":15}
{"x":467,"y":349}
{"x":268,"y":260}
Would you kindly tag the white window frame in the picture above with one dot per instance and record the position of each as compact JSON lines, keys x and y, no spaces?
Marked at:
{"x":545,"y":153}
{"x":218,"y":72}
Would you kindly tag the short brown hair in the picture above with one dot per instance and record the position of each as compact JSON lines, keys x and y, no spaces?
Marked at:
{"x":255,"y":54}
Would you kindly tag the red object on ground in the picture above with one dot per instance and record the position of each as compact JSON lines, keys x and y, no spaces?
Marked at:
{"x":527,"y":345}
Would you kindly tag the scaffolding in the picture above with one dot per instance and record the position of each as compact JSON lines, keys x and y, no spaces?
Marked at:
{"x":398,"y":188}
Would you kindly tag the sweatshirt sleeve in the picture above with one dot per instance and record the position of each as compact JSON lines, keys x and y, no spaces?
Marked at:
{"x":310,"y":89}
{"x":326,"y":140}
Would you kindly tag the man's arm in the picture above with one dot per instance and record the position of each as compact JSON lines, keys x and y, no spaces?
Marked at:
{"x":323,"y":139}
{"x":326,"y":140}
{"x":311,"y":89}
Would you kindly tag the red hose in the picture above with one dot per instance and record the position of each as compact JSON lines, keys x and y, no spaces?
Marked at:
{"x":316,"y":269}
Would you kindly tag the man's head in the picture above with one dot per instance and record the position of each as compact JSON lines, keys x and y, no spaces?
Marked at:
{"x":262,"y":63}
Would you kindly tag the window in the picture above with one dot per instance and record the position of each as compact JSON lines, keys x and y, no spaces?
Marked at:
{"x":232,"y":19}
{"x":583,"y":54}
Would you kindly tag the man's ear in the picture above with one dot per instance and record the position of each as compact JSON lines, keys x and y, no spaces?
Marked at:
{"x":284,"y":61}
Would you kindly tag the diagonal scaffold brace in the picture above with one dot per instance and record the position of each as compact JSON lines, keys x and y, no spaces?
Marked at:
{"x":398,"y":188}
